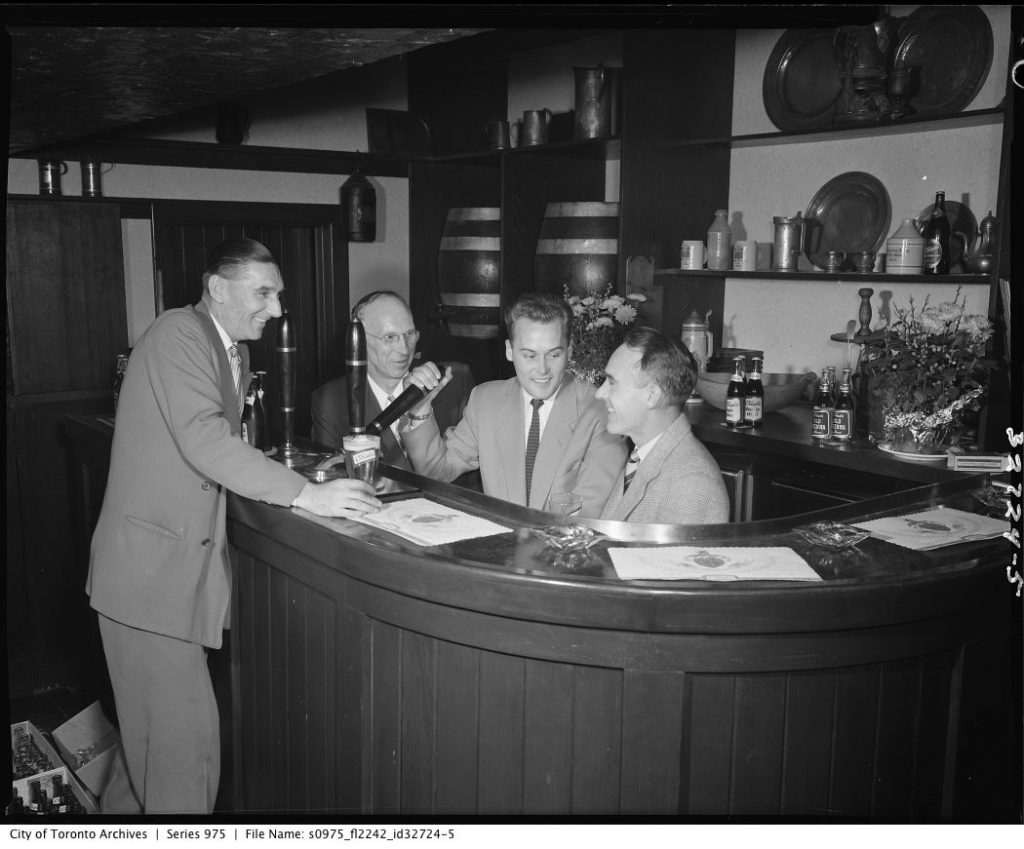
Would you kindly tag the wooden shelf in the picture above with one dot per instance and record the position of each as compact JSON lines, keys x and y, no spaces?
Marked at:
{"x":974,"y":118}
{"x":606,"y":148}
{"x":820,"y":276}
{"x":236,"y":156}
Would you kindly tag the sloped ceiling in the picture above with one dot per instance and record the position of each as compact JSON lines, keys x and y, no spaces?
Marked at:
{"x":71,"y":82}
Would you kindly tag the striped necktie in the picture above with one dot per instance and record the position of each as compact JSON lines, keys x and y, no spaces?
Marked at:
{"x":236,"y":374}
{"x":532,"y":443}
{"x":631,"y":466}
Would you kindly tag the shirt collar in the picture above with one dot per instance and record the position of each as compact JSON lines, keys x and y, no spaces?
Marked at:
{"x":224,"y":338}
{"x":548,"y":402}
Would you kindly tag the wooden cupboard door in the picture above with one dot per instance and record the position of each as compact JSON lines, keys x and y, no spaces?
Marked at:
{"x":66,"y":317}
{"x":314,"y":265}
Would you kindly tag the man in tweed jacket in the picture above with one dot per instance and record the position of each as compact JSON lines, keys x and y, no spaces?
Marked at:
{"x":672,"y":478}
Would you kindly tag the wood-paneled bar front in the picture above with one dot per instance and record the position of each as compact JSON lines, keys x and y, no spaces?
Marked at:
{"x":372,"y":676}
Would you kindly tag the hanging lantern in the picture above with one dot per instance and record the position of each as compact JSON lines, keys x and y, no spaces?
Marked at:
{"x":359,"y":208}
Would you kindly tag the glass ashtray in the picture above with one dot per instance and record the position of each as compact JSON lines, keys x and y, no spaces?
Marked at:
{"x":834,"y":536}
{"x":992,"y":497}
{"x":568,"y":537}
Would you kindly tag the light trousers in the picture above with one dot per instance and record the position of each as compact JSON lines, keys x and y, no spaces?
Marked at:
{"x":170,"y":727}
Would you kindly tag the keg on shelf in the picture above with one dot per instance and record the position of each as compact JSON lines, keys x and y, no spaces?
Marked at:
{"x":469,"y":272}
{"x":578,"y":247}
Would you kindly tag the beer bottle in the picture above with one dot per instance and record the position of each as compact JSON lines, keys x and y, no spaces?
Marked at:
{"x":753,"y":401}
{"x":734,"y":397}
{"x":936,"y":238}
{"x":254,"y":428}
{"x":842,"y":423}
{"x":824,"y":407}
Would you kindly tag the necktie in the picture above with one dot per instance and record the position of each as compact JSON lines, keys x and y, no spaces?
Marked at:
{"x":532,"y":443}
{"x":236,"y":374}
{"x":396,"y":429}
{"x":631,"y":466}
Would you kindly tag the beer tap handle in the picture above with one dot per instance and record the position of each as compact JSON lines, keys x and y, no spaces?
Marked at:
{"x":286,"y":352}
{"x":355,"y":373}
{"x":410,"y":397}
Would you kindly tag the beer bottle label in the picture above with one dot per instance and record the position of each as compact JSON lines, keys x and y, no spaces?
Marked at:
{"x":932,"y":253}
{"x":841,"y":424}
{"x":821,"y":424}
{"x":245,"y":432}
{"x":753,"y":409}
{"x":733,"y":410}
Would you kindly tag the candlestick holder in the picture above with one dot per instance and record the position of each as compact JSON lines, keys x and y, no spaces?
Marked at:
{"x":864,"y":313}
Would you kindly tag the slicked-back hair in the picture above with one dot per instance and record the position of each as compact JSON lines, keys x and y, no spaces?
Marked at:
{"x":366,"y":300}
{"x":229,"y":258}
{"x":666,"y":362}
{"x":539,"y":306}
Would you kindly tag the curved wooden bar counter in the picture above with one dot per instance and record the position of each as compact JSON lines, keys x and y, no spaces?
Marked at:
{"x":371,"y":675}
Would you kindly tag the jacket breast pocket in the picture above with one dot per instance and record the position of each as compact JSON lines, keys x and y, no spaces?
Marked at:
{"x":153,"y":527}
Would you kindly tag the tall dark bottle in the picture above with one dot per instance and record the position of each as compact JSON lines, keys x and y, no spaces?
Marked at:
{"x":753,"y":401}
{"x":254,"y":420}
{"x":734,"y":396}
{"x":936,"y":238}
{"x":842,"y":424}
{"x":824,"y":409}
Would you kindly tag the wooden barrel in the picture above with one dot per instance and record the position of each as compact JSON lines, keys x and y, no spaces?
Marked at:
{"x":578,"y":247}
{"x":469,"y":272}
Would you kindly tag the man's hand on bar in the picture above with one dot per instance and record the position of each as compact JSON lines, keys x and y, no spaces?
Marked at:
{"x":340,"y":498}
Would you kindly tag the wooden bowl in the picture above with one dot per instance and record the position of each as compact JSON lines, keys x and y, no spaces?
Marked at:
{"x":780,"y":390}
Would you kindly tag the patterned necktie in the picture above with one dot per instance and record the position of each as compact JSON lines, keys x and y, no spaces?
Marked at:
{"x":631,"y":466}
{"x":396,"y":429}
{"x":532,"y":443}
{"x":236,"y":374}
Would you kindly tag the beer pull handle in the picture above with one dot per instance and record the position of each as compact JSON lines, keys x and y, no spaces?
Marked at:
{"x":286,"y":366}
{"x":355,"y":374}
{"x":410,"y":397}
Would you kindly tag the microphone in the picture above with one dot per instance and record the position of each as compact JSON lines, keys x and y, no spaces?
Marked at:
{"x":409,"y":398}
{"x":355,"y":374}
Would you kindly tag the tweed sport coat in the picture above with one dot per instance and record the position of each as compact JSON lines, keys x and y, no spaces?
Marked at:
{"x":329,"y":408}
{"x":677,"y":483}
{"x":159,"y":553}
{"x":576,"y":452}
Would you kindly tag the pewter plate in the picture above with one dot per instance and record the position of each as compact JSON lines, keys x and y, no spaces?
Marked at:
{"x":951,"y":46}
{"x":850,"y":213}
{"x":801,"y":80}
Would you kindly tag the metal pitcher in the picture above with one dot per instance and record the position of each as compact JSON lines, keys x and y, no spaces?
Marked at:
{"x":789,"y":240}
{"x":593,"y":102}
{"x":535,"y":126}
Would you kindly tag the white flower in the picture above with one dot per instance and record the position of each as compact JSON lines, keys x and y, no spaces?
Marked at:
{"x":603,"y":321}
{"x":577,"y":308}
{"x":625,"y":314}
{"x":612,"y":303}
{"x":637,"y":296}
{"x":588,"y":301}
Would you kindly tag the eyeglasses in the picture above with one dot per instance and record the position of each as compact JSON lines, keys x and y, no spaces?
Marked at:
{"x":391,"y":340}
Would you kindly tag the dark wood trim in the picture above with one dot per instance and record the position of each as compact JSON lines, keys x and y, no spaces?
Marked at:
{"x":163,"y":152}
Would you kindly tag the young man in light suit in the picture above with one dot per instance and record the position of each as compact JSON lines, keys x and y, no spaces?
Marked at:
{"x":159,"y":576}
{"x":533,"y":435}
{"x":670,"y":477}
{"x":391,"y":338}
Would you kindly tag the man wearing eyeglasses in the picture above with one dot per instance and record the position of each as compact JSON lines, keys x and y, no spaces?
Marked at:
{"x":391,"y":338}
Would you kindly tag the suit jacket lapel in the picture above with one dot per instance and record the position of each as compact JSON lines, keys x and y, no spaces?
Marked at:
{"x":649,"y":468}
{"x":511,"y":443}
{"x":229,"y":396}
{"x":557,"y":433}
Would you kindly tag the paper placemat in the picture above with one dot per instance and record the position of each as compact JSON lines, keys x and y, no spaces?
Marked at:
{"x":425,"y":522}
{"x":675,"y":563}
{"x":935,"y":528}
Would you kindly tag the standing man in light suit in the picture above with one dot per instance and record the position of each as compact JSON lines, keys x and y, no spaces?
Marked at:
{"x":670,"y":477}
{"x":159,"y":576}
{"x":535,"y":434}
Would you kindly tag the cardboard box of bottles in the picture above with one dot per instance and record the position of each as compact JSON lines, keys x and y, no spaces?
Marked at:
{"x":21,"y":786}
{"x":46,"y":750}
{"x":89,"y":743}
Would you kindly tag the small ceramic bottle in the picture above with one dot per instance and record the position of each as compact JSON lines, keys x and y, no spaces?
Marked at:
{"x":904,"y":250}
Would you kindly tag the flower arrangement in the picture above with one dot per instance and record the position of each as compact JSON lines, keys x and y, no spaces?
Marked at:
{"x":925,"y":372}
{"x":600,"y":322}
